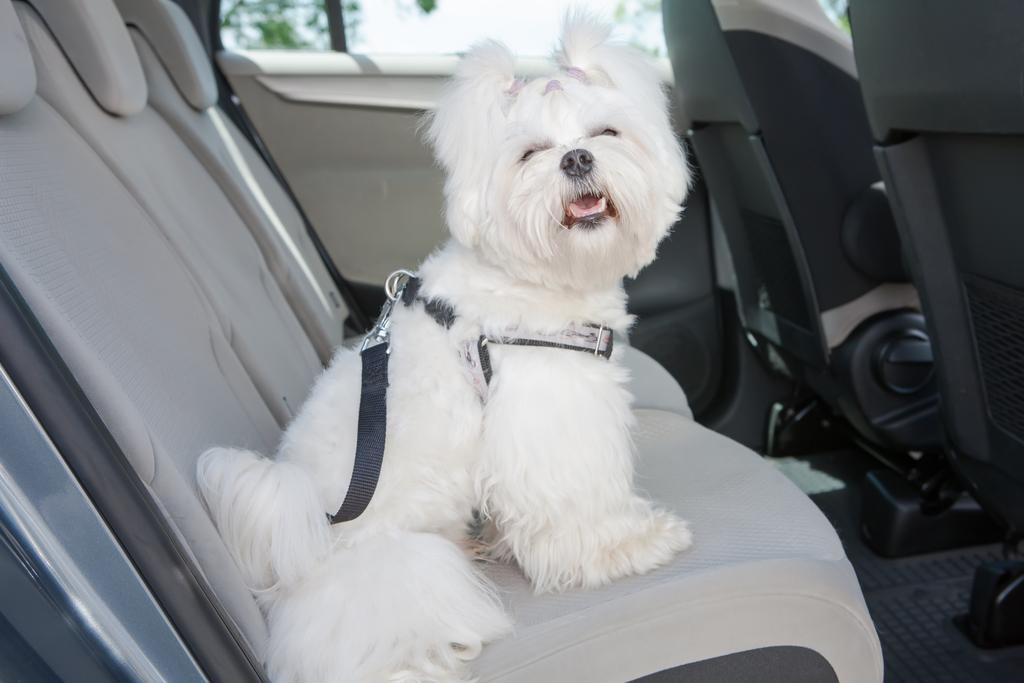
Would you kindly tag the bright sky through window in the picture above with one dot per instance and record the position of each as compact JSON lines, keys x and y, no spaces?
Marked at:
{"x":529,"y":27}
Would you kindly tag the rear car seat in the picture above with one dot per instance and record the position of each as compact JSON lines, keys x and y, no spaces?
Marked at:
{"x":110,"y":111}
{"x":111,"y":269}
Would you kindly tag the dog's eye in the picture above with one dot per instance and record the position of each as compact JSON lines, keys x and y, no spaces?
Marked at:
{"x":537,"y":146}
{"x":610,"y":131}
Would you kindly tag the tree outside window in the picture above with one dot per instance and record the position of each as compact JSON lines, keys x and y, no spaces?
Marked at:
{"x":292,"y":24}
{"x":426,"y":26}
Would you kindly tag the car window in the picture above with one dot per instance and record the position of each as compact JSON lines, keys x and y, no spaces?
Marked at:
{"x":837,"y":12}
{"x":429,"y":26}
{"x":274,"y":24}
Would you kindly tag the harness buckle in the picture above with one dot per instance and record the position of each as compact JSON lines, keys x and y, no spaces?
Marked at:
{"x":600,"y":336}
{"x":379,"y":334}
{"x":381,"y":330}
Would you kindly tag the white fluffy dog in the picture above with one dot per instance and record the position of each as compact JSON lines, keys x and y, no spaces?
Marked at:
{"x":556,"y":189}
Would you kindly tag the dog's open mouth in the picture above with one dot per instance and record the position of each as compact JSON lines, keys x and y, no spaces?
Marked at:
{"x":588,"y":210}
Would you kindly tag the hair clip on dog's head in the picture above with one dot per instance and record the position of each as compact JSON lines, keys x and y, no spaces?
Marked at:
{"x":577,"y":73}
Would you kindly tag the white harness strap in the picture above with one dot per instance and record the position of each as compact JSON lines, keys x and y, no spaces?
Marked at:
{"x":586,"y":338}
{"x":595,"y":339}
{"x":583,"y":337}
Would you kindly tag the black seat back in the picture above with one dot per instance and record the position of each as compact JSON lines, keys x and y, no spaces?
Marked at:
{"x":942,"y":85}
{"x":785,"y":147}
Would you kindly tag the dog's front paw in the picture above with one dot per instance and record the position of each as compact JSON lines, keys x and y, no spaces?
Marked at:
{"x":667,"y":537}
{"x":651,"y":544}
{"x":594,"y":554}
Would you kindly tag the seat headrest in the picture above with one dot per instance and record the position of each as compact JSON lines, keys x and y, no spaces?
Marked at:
{"x":17,"y":70}
{"x":168,"y":30}
{"x":96,"y":42}
{"x":800,"y":22}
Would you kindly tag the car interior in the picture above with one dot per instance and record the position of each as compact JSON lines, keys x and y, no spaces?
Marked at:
{"x":827,"y":363}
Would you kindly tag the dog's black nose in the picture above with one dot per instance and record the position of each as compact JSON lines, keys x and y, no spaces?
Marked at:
{"x":577,"y":163}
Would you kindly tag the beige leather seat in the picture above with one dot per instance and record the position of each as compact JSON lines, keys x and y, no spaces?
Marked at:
{"x":129,"y":244}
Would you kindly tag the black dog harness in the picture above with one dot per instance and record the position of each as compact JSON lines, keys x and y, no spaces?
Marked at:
{"x":376,"y":349}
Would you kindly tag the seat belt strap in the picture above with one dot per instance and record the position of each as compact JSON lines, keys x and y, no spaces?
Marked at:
{"x":372,"y":428}
{"x":370,"y":437}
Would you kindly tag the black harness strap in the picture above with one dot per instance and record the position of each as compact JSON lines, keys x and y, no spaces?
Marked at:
{"x":370,"y":438}
{"x":440,"y":310}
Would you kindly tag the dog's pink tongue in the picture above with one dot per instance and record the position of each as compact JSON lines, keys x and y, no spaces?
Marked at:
{"x":588,"y":206}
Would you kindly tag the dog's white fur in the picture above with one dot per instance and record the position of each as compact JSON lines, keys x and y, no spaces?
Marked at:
{"x":547,"y":459}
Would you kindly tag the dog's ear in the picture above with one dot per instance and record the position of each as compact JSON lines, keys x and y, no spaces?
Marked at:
{"x":587,"y":52}
{"x":586,"y":49}
{"x":466,"y":124}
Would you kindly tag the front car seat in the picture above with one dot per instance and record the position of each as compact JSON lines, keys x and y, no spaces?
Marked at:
{"x":942,"y":85}
{"x":769,"y":95}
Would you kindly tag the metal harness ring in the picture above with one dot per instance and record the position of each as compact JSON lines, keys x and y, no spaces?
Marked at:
{"x":392,"y":286}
